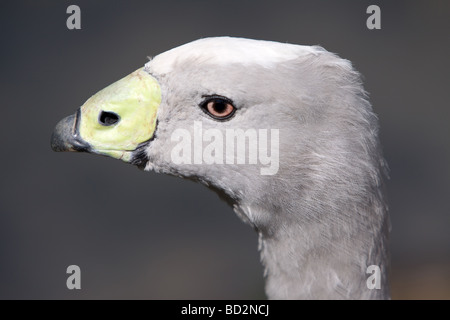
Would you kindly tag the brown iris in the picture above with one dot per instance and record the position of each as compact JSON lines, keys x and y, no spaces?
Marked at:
{"x":218,"y":108}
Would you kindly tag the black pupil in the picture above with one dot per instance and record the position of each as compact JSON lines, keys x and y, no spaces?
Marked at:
{"x":108,"y":118}
{"x":220,"y":106}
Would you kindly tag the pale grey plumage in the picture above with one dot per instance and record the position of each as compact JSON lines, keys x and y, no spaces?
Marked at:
{"x":321,"y":219}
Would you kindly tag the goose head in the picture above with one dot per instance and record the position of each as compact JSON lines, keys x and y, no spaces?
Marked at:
{"x":284,"y":133}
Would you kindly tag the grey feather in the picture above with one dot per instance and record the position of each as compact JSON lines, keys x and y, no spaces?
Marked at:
{"x":322,"y":219}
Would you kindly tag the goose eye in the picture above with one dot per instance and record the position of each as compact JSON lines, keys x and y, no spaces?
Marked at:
{"x":218,"y":108}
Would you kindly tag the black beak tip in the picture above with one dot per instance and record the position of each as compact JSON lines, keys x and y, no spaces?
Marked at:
{"x":55,"y":143}
{"x":62,"y":134}
{"x":64,"y":137}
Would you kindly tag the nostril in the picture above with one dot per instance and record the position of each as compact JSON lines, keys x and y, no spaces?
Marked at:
{"x":107,"y":118}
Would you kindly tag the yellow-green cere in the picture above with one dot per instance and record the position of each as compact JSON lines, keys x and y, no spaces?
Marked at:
{"x":135,"y":99}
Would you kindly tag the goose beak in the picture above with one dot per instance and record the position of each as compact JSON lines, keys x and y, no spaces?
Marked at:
{"x":115,"y":121}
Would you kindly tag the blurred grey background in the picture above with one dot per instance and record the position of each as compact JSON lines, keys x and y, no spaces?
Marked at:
{"x":147,"y":236}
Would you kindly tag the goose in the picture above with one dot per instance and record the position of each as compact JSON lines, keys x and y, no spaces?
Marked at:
{"x":284,"y":133}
